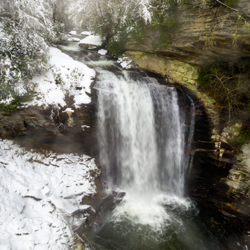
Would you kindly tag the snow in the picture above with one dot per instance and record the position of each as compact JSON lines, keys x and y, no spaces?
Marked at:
{"x":102,"y":52}
{"x":7,"y":101}
{"x":125,"y":62}
{"x":38,"y":195}
{"x":93,"y":40}
{"x":86,"y":33}
{"x":84,"y":126}
{"x":73,"y":33}
{"x":68,"y":110}
{"x":73,"y":39}
{"x":65,"y":77}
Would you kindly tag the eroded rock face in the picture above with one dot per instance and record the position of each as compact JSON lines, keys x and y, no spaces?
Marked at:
{"x":175,"y":70}
{"x":216,"y":182}
{"x":23,"y":122}
{"x":203,"y":36}
{"x":53,"y":129}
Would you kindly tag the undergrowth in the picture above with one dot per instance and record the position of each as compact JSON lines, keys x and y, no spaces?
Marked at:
{"x":229,"y":86}
{"x":13,"y":106}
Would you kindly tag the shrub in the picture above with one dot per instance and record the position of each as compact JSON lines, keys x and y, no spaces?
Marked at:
{"x":228,"y":85}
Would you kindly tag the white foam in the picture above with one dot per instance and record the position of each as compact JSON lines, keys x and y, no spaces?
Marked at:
{"x":140,"y":211}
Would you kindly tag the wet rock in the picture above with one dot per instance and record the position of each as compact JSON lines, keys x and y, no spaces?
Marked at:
{"x":84,"y":218}
{"x":89,"y":46}
{"x":52,"y":129}
{"x":118,"y":193}
{"x":100,"y":201}
{"x":215,"y":182}
{"x":92,"y":217}
{"x":234,"y":209}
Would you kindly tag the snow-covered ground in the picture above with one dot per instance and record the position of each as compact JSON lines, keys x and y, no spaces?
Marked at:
{"x":38,"y":194}
{"x":65,"y":77}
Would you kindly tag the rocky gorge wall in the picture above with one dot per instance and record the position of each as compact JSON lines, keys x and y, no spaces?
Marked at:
{"x":202,"y":38}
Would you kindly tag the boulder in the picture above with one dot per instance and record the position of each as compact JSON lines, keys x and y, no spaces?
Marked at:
{"x":91,"y":42}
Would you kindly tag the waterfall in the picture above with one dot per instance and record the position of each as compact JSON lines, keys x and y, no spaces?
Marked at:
{"x":141,"y":140}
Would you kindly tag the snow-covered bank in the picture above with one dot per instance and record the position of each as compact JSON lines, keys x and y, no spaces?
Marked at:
{"x":65,"y":77}
{"x":38,"y":194}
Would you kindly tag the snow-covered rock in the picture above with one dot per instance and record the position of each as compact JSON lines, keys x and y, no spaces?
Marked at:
{"x":73,"y":39}
{"x":86,"y":33}
{"x":91,"y":42}
{"x":125,"y":62}
{"x":102,"y":52}
{"x":73,"y":32}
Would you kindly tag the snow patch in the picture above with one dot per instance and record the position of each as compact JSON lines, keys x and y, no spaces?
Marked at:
{"x":38,"y":195}
{"x":84,"y":126}
{"x":73,"y":32}
{"x":68,"y":110}
{"x":125,"y":62}
{"x":102,"y":52}
{"x":93,"y":40}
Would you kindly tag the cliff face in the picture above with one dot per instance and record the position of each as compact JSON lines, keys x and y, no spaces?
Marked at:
{"x":203,"y":38}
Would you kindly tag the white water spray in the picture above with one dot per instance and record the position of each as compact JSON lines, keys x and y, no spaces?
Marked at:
{"x":141,"y":138}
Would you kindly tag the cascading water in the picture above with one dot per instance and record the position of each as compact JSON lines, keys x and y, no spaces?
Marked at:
{"x":141,"y":138}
